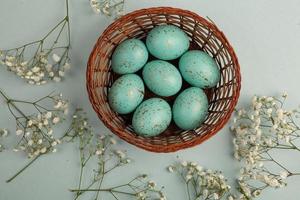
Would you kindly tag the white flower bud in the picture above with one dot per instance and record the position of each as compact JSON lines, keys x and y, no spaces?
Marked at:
{"x":48,"y":115}
{"x":58,"y":105}
{"x":151,"y":184}
{"x":171,"y":169}
{"x":284,"y":174}
{"x":61,"y":73}
{"x":35,"y":69}
{"x":56,"y":58}
{"x":30,"y":142}
{"x":55,"y":120}
{"x":99,"y":152}
{"x":188,"y":177}
{"x":43,"y":150}
{"x":184,"y":163}
{"x":50,"y":132}
{"x":51,"y":74}
{"x":67,"y":66}
{"x":9,"y":64}
{"x":54,"y":143}
{"x":19,"y":132}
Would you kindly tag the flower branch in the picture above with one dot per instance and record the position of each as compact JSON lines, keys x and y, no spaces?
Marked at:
{"x":110,"y":8}
{"x":50,"y":59}
{"x":261,"y":130}
{"x":100,"y":148}
{"x":35,"y":122}
{"x":202,"y":184}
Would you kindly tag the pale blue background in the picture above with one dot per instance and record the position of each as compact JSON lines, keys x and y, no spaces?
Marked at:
{"x":266,"y":38}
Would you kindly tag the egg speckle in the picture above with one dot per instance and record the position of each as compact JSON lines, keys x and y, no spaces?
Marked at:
{"x":190,"y":108}
{"x":126,"y":93}
{"x":167,"y":42}
{"x":129,"y":56}
{"x":152,"y":117}
{"x":199,"y":69}
{"x":162,"y":78}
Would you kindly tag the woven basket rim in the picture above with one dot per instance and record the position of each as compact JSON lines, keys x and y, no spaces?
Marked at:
{"x":184,"y":144}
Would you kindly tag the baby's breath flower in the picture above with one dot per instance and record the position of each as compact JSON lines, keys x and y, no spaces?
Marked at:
{"x":3,"y":133}
{"x":99,"y":152}
{"x":36,"y":129}
{"x":101,"y":149}
{"x":212,"y":183}
{"x":152,"y":184}
{"x":171,"y":169}
{"x":55,"y":57}
{"x":264,"y":126}
{"x":184,"y":163}
{"x":120,"y":154}
{"x":114,"y":8}
{"x":48,"y":62}
{"x":19,"y":132}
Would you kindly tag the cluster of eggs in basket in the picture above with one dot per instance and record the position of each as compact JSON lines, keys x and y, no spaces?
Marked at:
{"x":153,"y":116}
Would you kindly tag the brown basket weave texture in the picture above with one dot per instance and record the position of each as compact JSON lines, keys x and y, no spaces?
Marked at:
{"x":204,"y":35}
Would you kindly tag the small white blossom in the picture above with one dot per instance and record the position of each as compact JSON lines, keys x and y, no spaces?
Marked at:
{"x":55,"y":120}
{"x":56,"y":58}
{"x":171,"y":169}
{"x":43,"y":150}
{"x":152,"y":184}
{"x":19,"y":132}
{"x":99,"y":152}
{"x":284,"y":174}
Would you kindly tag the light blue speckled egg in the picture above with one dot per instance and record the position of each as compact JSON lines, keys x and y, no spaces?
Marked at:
{"x":162,"y":78}
{"x":190,"y":108}
{"x":152,"y":117}
{"x":130,"y":56}
{"x":167,"y":42}
{"x":126,"y":93}
{"x":199,"y":69}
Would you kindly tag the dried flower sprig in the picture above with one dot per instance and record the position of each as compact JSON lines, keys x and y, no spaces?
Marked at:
{"x":139,"y":188}
{"x":111,"y":8}
{"x":101,"y":148}
{"x":202,"y":184}
{"x":50,"y":59}
{"x":261,"y":130}
{"x":3,"y":134}
{"x":35,"y":122}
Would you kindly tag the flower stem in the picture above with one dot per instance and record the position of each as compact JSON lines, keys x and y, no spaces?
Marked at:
{"x":68,"y":20}
{"x":10,"y":102}
{"x":4,"y":95}
{"x":21,"y":170}
{"x":101,"y":190}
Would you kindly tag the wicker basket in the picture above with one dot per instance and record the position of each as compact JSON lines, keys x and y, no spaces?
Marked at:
{"x":205,"y":36}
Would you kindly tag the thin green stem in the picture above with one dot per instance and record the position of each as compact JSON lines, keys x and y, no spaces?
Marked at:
{"x":102,"y":190}
{"x":9,"y":102}
{"x":53,"y":29}
{"x":21,"y":170}
{"x":188,"y":190}
{"x":68,"y":20}
{"x":4,"y":95}
{"x":25,"y":45}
